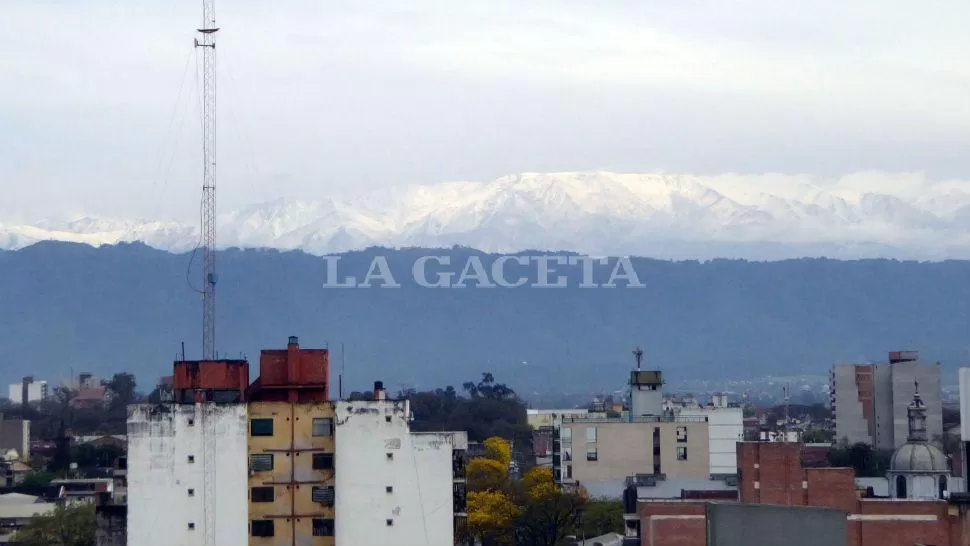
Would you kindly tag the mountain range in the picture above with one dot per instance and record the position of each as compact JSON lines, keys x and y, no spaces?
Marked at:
{"x":763,"y":217}
{"x":128,"y":307}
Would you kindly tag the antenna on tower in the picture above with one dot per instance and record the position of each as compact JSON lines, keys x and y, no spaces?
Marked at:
{"x":638,"y":355}
{"x":207,"y":41}
{"x":787,"y":409}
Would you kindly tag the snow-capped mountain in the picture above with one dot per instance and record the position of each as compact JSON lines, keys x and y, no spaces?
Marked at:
{"x":676,"y":216}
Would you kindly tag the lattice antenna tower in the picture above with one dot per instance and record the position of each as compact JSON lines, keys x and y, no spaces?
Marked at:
{"x":206,"y":40}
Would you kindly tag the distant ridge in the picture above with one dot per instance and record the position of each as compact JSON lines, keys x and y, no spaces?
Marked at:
{"x":127,"y":307}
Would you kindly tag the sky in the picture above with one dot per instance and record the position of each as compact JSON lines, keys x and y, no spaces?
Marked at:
{"x":99,"y":110}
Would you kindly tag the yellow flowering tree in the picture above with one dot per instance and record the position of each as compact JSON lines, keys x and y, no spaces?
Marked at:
{"x":491,"y":515}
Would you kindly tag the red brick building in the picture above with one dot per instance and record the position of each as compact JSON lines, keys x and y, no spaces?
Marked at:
{"x":772,"y":473}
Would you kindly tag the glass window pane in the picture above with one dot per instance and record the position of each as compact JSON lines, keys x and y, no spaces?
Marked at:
{"x":261,"y":427}
{"x":322,"y":426}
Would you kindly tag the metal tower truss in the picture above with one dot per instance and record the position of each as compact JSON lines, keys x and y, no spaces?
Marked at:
{"x":207,"y":43}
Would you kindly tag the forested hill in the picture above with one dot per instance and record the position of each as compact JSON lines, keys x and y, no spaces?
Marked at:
{"x":128,"y":307}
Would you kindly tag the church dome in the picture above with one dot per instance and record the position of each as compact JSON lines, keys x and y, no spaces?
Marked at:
{"x":919,"y":457}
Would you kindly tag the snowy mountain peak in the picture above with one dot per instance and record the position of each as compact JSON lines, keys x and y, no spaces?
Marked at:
{"x":664,"y":215}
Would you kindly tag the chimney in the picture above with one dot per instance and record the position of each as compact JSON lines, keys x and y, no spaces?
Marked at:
{"x":292,"y":359}
{"x":379,"y":393}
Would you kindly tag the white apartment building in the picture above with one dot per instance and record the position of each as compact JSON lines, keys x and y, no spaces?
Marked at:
{"x":188,"y":475}
{"x":395,"y":486}
{"x":189,"y":479}
{"x":36,"y":391}
{"x":725,"y":424}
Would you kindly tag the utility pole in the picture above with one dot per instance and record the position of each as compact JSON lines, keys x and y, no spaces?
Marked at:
{"x":207,"y":41}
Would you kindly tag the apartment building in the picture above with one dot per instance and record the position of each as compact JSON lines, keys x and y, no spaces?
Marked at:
{"x":870,"y":401}
{"x":396,"y":486}
{"x":609,"y":450}
{"x":187,"y":471}
{"x":725,"y":427}
{"x":276,"y":462}
{"x":14,"y":439}
{"x":28,"y":390}
{"x":291,"y":449}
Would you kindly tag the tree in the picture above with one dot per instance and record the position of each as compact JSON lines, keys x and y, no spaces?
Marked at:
{"x":64,"y":526}
{"x":498,"y":449}
{"x":36,"y":480}
{"x":866,"y":461}
{"x":489,"y":409}
{"x":602,"y":516}
{"x":485,"y":474}
{"x":534,"y":479}
{"x":490,"y":517}
{"x":818,"y":436}
{"x":548,"y":512}
{"x":122,"y":389}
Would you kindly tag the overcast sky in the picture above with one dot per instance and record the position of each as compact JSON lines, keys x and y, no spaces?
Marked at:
{"x":317,"y":97}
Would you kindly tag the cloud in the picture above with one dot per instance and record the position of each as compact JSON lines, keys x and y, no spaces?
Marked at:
{"x":320,"y":97}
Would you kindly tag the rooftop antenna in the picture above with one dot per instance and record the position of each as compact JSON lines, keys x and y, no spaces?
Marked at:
{"x":787,"y":409}
{"x":340,"y":379}
{"x":638,"y":355}
{"x":207,"y":41}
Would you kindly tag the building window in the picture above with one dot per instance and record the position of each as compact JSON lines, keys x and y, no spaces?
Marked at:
{"x":322,"y":426}
{"x":591,"y":435}
{"x":900,"y":487}
{"x":389,"y":522}
{"x":566,"y":435}
{"x":261,"y":462}
{"x":389,"y":489}
{"x":569,"y":471}
{"x":591,"y":454}
{"x":567,"y":453}
{"x":262,"y":528}
{"x":390,"y":456}
{"x":191,"y":492}
{"x":942,"y":487}
{"x":191,"y":526}
{"x":682,"y":434}
{"x":262,"y":494}
{"x":681,"y":453}
{"x":261,"y":427}
{"x":322,"y":494}
{"x":191,"y":422}
{"x":323,"y":461}
{"x":191,"y":459}
{"x":323,"y":527}
{"x":387,"y":418}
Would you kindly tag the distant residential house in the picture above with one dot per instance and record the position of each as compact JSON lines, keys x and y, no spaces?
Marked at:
{"x":98,"y":491}
{"x":16,"y":510}
{"x":12,"y":472}
{"x":90,"y":397}
{"x":115,"y":440}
